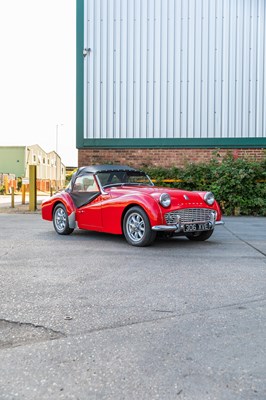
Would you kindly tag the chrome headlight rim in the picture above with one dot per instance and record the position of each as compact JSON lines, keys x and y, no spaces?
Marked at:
{"x":165,"y":200}
{"x":209,"y":198}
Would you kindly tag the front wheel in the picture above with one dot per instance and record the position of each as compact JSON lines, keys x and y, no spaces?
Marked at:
{"x":199,"y":236}
{"x":60,"y":220}
{"x":137,"y":228}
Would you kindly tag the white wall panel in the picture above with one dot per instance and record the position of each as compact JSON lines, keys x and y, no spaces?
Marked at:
{"x":157,"y":69}
{"x":203,"y":131}
{"x":197,"y":68}
{"x":177,"y":68}
{"x":150,"y":67}
{"x":136,"y":69}
{"x":143,"y":69}
{"x":174,"y":68}
{"x":261,"y":66}
{"x":110,"y":71}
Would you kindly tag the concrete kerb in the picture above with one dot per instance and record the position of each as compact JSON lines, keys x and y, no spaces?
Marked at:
{"x":19,"y":209}
{"x":5,"y":204}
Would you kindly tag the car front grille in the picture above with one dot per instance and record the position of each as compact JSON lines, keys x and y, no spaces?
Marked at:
{"x":189,"y":215}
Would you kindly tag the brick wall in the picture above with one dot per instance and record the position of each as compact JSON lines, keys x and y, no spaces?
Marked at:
{"x":160,"y":157}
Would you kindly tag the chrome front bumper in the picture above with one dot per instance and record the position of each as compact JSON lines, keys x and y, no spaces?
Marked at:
{"x":164,"y":228}
{"x":177,"y":227}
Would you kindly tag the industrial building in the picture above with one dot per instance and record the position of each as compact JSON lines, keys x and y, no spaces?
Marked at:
{"x":165,"y":82}
{"x":15,"y":162}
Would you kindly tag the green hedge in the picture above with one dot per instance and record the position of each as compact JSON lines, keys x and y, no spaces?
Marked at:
{"x":239,"y":185}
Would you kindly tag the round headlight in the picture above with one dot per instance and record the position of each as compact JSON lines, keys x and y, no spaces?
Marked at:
{"x":165,"y":200}
{"x":209,"y":198}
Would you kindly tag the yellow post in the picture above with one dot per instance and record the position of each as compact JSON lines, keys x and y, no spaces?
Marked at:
{"x":12,"y":198}
{"x":6,"y":183}
{"x":23,"y":192}
{"x":33,"y":188}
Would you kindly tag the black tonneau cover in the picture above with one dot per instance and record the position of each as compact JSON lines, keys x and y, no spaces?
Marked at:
{"x":93,"y":169}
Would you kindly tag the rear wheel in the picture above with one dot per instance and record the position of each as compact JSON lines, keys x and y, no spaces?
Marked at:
{"x":60,"y":220}
{"x":137,"y":228}
{"x":199,"y":236}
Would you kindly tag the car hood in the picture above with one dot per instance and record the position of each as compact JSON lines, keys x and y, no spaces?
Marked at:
{"x":179,"y":197}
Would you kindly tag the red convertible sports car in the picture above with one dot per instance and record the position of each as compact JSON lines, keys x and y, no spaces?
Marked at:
{"x":122,"y":200}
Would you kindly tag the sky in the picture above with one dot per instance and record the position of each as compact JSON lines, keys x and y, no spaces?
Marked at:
{"x":38,"y":75}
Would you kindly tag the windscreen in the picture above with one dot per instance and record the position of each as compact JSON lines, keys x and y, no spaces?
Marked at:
{"x":116,"y":178}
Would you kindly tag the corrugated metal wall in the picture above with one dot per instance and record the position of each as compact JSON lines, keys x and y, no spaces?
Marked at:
{"x":175,"y":68}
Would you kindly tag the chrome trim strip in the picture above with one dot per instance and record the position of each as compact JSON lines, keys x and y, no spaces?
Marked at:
{"x":100,"y":185}
{"x":165,"y":228}
{"x":219,"y":223}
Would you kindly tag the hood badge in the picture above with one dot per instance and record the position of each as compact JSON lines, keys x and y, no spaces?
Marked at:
{"x":186,"y":197}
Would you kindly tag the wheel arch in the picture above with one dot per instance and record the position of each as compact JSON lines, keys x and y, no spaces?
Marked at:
{"x":149,"y":206}
{"x":138,"y":233}
{"x":128,"y":208}
{"x":71,"y":214}
{"x":56,"y":203}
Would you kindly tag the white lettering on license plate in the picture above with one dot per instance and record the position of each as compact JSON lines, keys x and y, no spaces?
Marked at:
{"x":196,"y":227}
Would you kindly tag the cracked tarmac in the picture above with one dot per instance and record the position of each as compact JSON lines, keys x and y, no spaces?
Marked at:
{"x":90,"y":317}
{"x":13,"y":333}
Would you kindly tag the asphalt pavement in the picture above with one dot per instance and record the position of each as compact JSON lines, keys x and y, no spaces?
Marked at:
{"x":87,"y":316}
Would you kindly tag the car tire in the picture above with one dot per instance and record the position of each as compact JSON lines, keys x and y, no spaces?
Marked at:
{"x":137,"y":228}
{"x":60,"y":220}
{"x":199,"y":236}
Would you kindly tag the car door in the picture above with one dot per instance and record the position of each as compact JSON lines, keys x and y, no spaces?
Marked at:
{"x":87,"y":198}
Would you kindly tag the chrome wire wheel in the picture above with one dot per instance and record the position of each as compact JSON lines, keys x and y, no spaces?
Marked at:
{"x":135,"y":227}
{"x":60,"y":220}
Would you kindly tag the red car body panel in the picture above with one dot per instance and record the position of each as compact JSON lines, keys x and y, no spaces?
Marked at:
{"x":119,"y":199}
{"x":90,"y":216}
{"x":48,"y":205}
{"x":105,"y":213}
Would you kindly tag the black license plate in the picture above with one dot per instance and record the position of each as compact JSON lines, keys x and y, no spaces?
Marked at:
{"x":197,"y":227}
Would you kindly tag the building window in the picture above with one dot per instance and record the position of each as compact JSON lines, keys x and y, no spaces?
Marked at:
{"x":34,"y":158}
{"x":43,"y":160}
